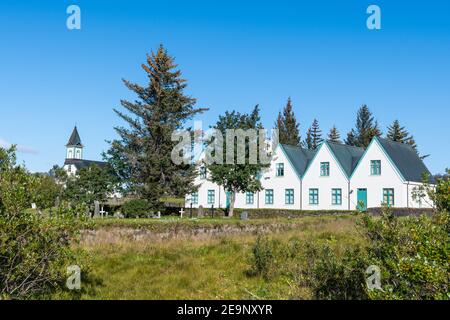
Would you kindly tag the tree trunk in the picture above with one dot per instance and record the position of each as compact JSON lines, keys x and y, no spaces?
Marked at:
{"x":232,"y":200}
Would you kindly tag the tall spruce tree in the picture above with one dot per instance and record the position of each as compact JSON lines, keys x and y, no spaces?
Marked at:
{"x":334,"y":135}
{"x":366,"y":128}
{"x":313,"y":136}
{"x":142,"y":155}
{"x":287,"y":125}
{"x":351,"y":138}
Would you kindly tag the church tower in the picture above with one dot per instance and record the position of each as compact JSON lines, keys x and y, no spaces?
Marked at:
{"x":74,"y":148}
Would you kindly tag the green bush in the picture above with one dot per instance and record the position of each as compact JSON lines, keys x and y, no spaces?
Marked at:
{"x":262,"y":259}
{"x":136,"y":208}
{"x":35,"y":249}
{"x":412,"y":253}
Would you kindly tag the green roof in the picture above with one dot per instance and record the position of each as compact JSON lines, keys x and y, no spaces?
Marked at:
{"x":299,"y":157}
{"x":347,"y":156}
{"x":405,"y":159}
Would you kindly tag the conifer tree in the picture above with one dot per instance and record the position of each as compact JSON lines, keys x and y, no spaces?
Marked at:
{"x":287,"y":125}
{"x":142,"y":155}
{"x":351,"y":138}
{"x":398,"y":133}
{"x":334,"y":135}
{"x":313,"y":136}
{"x":366,"y":128}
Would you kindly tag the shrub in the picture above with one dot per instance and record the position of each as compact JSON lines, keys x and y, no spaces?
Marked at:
{"x":34,"y":249}
{"x":412,"y":253}
{"x":136,"y":208}
{"x":262,"y":258}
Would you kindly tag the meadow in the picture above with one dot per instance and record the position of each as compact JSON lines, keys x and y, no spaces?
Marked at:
{"x":210,"y":265}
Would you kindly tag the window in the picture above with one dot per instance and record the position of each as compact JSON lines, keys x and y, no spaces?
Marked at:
{"x":375,"y":167}
{"x":289,"y":196}
{"x":313,"y":196}
{"x":324,"y":169}
{"x":203,"y":173}
{"x":280,"y":169}
{"x":70,"y":154}
{"x":336,"y":196}
{"x":388,"y":197}
{"x":249,"y":198}
{"x":70,"y":168}
{"x":269,"y":196}
{"x":194,"y":198}
{"x":211,"y":196}
{"x":78,"y":154}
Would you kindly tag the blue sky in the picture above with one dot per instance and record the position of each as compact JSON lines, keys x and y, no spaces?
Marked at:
{"x":235,"y":54}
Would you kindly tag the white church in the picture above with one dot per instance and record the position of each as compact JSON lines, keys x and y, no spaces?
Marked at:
{"x":74,"y":155}
{"x":334,"y":177}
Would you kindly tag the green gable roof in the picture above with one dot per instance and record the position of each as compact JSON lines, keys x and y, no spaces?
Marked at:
{"x":405,"y":159}
{"x":298,"y":157}
{"x":347,"y":156}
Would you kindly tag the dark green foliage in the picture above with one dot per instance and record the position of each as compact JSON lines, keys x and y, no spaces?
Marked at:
{"x":89,"y":184}
{"x":288,"y":127}
{"x":238,"y":177}
{"x":141,"y":158}
{"x":262,"y":259}
{"x":136,"y":208}
{"x":412,"y":253}
{"x":45,"y":191}
{"x":399,"y":134}
{"x":366,"y":129}
{"x":334,"y":135}
{"x":35,"y":248}
{"x":313,"y":136}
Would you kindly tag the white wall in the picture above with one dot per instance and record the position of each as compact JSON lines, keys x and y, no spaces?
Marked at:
{"x":336,"y":180}
{"x":389,"y":178}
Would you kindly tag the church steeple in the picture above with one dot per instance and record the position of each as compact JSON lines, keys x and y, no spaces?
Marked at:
{"x":74,"y":148}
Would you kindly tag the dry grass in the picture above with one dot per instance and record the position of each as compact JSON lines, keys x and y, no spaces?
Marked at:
{"x":213,"y":267}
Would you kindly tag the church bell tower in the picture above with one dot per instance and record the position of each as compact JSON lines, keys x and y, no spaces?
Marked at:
{"x":74,"y":148}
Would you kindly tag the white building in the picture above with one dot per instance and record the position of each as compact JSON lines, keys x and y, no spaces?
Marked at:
{"x":335,"y":177}
{"x":74,"y":155}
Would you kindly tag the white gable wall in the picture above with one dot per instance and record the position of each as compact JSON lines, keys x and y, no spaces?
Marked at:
{"x":389,"y":178}
{"x":336,"y":180}
{"x":290,"y":180}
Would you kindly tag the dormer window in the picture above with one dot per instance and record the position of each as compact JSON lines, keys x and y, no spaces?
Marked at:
{"x":324,"y":169}
{"x":280,"y":169}
{"x":375,"y":167}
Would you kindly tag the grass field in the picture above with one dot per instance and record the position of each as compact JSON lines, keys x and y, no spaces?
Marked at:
{"x":217,"y":267}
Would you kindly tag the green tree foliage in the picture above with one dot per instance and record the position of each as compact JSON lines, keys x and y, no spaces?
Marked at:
{"x":45,"y":191}
{"x":288,"y":127}
{"x":136,"y":208}
{"x":35,"y":249}
{"x":436,"y":194}
{"x":313,"y":136}
{"x":237,"y":177}
{"x":334,"y":135}
{"x":399,"y":134}
{"x":411,"y":253}
{"x":89,"y":184}
{"x":141,"y":158}
{"x":366,"y":128}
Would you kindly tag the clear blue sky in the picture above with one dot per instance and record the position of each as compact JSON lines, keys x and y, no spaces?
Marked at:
{"x":234,"y":55}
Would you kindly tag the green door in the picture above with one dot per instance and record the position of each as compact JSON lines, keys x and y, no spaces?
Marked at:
{"x":362,"y":200}
{"x":227,"y":201}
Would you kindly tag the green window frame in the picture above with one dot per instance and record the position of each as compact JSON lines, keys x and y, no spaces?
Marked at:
{"x":336,"y":196}
{"x":313,"y":196}
{"x":269,"y":196}
{"x":289,"y":196}
{"x":375,"y":167}
{"x":211,"y":196}
{"x":280,"y":169}
{"x":194,"y":198}
{"x":249,"y":198}
{"x":388,"y":197}
{"x":324,"y":169}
